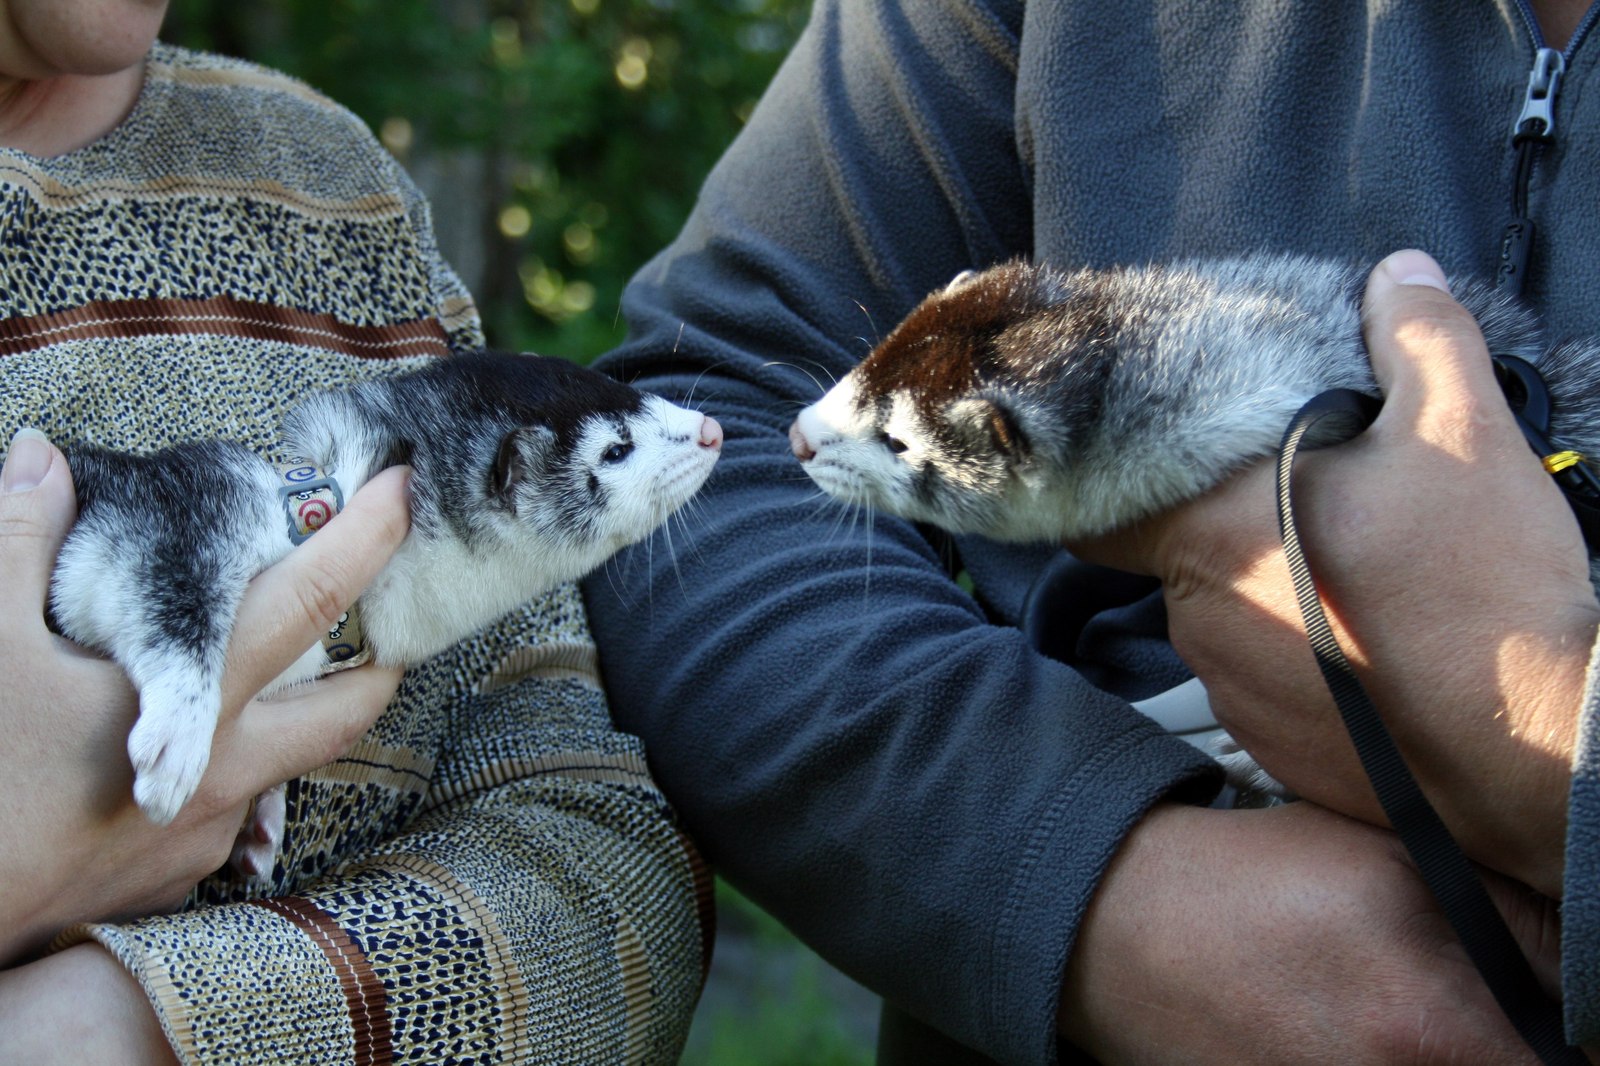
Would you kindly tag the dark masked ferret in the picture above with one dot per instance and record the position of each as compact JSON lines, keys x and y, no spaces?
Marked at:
{"x":527,"y":472}
{"x":1032,"y":404}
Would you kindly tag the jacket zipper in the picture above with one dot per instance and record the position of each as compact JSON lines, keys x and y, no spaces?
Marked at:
{"x":1534,"y":128}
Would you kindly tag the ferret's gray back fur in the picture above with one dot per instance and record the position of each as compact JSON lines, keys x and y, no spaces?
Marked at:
{"x":1030,"y":403}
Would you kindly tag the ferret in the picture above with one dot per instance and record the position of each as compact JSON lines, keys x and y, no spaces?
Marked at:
{"x":1029,"y":403}
{"x":527,"y":472}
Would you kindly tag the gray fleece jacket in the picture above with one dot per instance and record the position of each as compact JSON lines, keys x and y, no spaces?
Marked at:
{"x":877,"y":758}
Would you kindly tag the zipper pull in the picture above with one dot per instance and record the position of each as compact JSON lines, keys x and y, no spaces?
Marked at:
{"x":1538,"y":118}
{"x":1535,"y":126}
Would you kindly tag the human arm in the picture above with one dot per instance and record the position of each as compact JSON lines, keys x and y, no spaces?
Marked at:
{"x":1482,"y":679}
{"x":911,"y":789}
{"x":908,"y":786}
{"x":75,"y":846}
{"x":1451,"y":567}
{"x":78,"y":1005}
{"x":1333,"y":950}
{"x":546,"y":894}
{"x":542,"y":903}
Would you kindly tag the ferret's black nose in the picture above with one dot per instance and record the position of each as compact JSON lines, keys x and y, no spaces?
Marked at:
{"x":798,"y":444}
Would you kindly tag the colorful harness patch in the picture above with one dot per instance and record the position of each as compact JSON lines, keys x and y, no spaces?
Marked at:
{"x":310,"y":498}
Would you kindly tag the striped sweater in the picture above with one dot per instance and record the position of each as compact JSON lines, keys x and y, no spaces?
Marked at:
{"x":490,"y":875}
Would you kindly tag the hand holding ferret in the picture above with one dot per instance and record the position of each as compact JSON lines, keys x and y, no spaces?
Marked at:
{"x":1451,"y":569}
{"x":75,"y":847}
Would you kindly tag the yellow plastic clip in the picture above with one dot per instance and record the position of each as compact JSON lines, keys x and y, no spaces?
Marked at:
{"x":1559,"y":461}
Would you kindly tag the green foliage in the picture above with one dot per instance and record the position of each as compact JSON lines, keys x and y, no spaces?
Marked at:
{"x":772,"y":1002}
{"x":586,"y":126}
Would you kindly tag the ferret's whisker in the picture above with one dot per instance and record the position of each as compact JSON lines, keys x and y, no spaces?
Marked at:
{"x":796,"y":366}
{"x":866,"y":588}
{"x":821,"y":501}
{"x":672,"y":553}
{"x":693,"y":545}
{"x":689,"y":399}
{"x":871,"y":323}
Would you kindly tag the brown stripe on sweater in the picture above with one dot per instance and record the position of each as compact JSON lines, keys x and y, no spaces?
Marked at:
{"x":569,"y":660}
{"x":364,"y":997}
{"x":638,"y":990}
{"x":621,"y":768}
{"x":372,"y":762}
{"x":222,"y":316}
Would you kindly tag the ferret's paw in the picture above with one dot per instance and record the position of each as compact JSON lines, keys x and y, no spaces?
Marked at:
{"x":1242,"y":770}
{"x":256,"y":848}
{"x":170,"y":745}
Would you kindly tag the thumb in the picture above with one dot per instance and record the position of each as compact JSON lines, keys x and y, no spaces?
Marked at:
{"x":37,"y":507}
{"x":1430,"y":359}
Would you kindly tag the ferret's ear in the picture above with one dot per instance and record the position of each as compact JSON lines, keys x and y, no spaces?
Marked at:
{"x":994,"y":423}
{"x":961,"y":280}
{"x":524,"y":455}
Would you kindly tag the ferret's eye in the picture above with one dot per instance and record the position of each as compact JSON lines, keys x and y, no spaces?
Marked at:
{"x":616,"y":453}
{"x":894,"y":444}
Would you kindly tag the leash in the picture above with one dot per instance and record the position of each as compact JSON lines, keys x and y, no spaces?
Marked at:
{"x":1530,"y":405}
{"x":1444,"y":867}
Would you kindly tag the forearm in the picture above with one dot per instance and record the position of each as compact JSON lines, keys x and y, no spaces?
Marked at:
{"x":1214,"y":930}
{"x":78,"y":1006}
{"x":522,"y":914}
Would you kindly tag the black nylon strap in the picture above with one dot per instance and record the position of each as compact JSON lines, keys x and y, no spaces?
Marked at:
{"x":1446,"y":870}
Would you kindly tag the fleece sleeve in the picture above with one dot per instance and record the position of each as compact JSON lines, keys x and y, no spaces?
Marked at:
{"x":543,"y":907}
{"x":909,"y":787}
{"x":1580,"y":907}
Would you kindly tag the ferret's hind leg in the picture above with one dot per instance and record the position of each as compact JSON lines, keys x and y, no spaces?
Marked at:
{"x":1242,"y":770}
{"x":255,"y":849}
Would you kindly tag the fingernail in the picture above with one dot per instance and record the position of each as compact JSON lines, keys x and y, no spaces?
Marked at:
{"x":27,"y":461}
{"x":1411,"y":267}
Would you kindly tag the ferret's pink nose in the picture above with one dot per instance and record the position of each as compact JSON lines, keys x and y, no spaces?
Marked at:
{"x":710,"y":433}
{"x":798,"y":444}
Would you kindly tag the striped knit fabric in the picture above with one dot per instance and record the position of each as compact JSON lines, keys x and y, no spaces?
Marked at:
{"x":490,"y":875}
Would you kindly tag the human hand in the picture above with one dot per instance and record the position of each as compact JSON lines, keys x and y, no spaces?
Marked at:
{"x":74,"y":847}
{"x":1452,"y":571}
{"x":1290,"y":934}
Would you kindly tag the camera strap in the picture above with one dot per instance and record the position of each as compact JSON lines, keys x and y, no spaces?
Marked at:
{"x":1444,"y":867}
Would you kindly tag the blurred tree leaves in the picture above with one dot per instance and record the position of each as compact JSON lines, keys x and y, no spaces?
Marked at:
{"x":561,"y":141}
